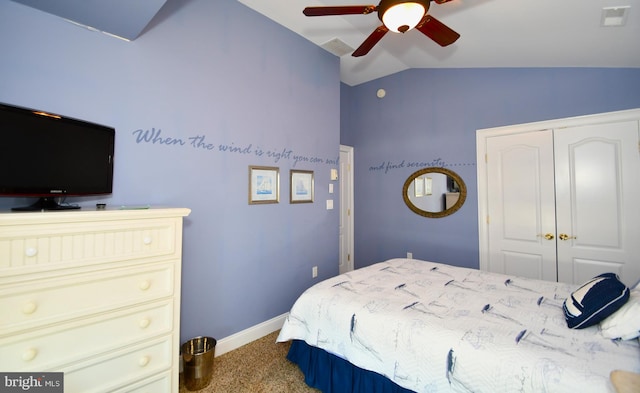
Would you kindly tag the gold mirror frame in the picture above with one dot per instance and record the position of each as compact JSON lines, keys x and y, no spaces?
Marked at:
{"x":444,"y":213}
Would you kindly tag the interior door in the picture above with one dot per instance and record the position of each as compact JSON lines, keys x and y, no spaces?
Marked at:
{"x":346,"y":209}
{"x":521,"y":205}
{"x":598,"y":201}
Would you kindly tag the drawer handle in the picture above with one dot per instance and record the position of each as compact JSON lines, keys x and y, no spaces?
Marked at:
{"x":144,"y":361}
{"x":147,"y":240}
{"x":144,"y":285}
{"x":144,"y":323}
{"x":29,"y":308}
{"x":31,"y":252}
{"x":29,"y":354}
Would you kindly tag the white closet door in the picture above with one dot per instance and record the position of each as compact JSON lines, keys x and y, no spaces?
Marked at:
{"x":598,"y":201}
{"x":521,"y":205}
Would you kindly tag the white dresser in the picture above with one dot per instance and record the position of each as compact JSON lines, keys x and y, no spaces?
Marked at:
{"x":94,"y":294}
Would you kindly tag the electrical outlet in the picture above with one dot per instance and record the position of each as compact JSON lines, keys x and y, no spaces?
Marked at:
{"x":409,"y":255}
{"x":314,"y":272}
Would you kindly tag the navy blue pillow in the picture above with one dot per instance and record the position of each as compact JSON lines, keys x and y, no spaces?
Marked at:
{"x":595,"y":300}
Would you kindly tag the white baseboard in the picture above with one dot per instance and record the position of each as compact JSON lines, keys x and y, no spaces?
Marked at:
{"x":246,"y":336}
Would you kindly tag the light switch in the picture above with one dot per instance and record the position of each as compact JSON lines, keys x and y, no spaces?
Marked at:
{"x":334,"y":174}
{"x":330,"y":188}
{"x":329,"y":204}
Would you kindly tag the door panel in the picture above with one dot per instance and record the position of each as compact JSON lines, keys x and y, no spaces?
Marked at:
{"x":585,"y":269}
{"x":521,"y":205}
{"x":597,"y":193}
{"x":524,"y":265}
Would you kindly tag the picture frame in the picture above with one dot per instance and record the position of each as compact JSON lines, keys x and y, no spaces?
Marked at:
{"x":301,"y":186}
{"x":264,"y":185}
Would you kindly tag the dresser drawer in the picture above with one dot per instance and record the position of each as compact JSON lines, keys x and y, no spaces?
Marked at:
{"x":119,"y":369}
{"x":25,"y":248}
{"x":156,"y":384}
{"x":80,"y":295}
{"x":70,"y":342}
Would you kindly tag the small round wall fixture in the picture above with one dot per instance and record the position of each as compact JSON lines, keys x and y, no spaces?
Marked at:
{"x":434,"y":192}
{"x":381,"y":93}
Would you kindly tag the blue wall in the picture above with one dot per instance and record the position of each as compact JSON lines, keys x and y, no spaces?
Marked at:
{"x":220,"y":73}
{"x":212,"y":72}
{"x":431,"y":117}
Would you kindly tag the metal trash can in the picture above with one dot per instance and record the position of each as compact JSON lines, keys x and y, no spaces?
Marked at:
{"x":197,"y":355}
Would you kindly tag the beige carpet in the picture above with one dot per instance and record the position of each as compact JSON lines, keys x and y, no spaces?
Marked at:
{"x":258,"y":367}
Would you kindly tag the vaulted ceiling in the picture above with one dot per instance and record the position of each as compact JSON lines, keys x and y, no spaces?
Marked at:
{"x":494,"y":33}
{"x":122,"y":18}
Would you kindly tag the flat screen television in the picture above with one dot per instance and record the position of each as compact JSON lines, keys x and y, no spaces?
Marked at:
{"x":49,"y":156}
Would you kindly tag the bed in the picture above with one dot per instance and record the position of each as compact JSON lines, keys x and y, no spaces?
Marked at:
{"x":407,"y":325}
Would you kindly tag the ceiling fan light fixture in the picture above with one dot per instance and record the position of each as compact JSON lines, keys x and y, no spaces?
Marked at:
{"x":395,"y":15}
{"x":402,"y":16}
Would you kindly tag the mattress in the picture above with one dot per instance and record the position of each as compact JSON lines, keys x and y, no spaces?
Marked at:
{"x":432,"y":327}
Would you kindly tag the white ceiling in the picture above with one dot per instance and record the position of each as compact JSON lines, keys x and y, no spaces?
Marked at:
{"x":494,"y":33}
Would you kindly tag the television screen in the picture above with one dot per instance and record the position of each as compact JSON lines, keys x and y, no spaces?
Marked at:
{"x":50,"y":156}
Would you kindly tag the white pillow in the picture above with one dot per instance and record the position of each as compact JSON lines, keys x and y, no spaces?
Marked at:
{"x":625,"y":322}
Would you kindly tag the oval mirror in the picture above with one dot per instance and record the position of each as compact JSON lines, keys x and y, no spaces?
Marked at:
{"x":434,"y":192}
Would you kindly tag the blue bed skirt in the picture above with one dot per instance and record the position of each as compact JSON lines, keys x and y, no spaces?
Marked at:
{"x":332,"y":374}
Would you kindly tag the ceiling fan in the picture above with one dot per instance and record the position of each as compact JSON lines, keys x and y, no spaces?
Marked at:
{"x":396,"y":15}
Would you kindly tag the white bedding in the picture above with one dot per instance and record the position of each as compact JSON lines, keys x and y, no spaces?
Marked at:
{"x":437,"y":328}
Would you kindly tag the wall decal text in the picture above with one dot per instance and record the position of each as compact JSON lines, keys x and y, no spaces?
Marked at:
{"x":154,"y":136}
{"x":386,"y":166}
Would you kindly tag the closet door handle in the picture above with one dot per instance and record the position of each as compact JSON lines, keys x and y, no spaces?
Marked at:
{"x":548,"y":236}
{"x":564,"y":236}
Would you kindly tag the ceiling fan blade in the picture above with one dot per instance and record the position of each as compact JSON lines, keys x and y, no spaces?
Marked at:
{"x":340,"y":10}
{"x":371,"y":41}
{"x":437,"y":31}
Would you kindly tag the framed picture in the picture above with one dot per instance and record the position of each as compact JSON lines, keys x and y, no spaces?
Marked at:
{"x":264,"y":184}
{"x":301,"y":186}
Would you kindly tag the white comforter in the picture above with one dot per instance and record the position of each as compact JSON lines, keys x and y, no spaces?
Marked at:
{"x":437,"y":328}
